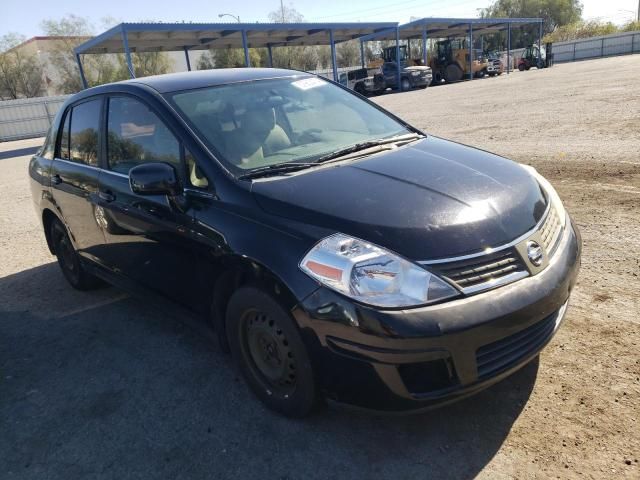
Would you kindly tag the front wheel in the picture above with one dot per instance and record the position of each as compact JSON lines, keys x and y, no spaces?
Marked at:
{"x":405,"y":84}
{"x":267,"y":348}
{"x":69,"y":260}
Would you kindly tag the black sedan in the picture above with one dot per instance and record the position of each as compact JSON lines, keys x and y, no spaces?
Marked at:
{"x":338,"y":252}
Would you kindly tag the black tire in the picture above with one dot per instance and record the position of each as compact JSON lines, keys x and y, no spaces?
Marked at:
{"x":268,"y":349}
{"x":69,"y":260}
{"x":521,"y":67}
{"x":405,"y":84}
{"x":453,"y":73}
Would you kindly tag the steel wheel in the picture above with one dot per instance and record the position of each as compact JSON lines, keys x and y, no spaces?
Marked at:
{"x":68,"y":260}
{"x":67,"y":257}
{"x":272,"y":358}
{"x":267,"y":348}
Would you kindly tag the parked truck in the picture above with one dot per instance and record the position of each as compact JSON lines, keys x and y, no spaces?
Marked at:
{"x":413,"y":74}
{"x":365,"y":81}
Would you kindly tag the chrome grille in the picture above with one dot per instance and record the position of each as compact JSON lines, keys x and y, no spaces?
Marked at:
{"x":483,"y":272}
{"x":550,"y":231}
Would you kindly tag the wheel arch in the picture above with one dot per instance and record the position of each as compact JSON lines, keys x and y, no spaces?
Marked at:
{"x":237,"y":271}
{"x":48,"y":217}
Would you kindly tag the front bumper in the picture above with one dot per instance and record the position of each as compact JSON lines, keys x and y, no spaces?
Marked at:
{"x":418,"y":358}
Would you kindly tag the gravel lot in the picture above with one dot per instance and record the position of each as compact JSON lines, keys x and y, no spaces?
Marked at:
{"x":99,"y":385}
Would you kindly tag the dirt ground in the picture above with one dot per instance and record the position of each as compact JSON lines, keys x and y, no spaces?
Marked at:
{"x":99,"y":385}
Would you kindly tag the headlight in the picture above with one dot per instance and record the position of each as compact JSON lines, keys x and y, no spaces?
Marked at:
{"x":551,"y":192}
{"x":372,"y":275}
{"x":415,"y":74}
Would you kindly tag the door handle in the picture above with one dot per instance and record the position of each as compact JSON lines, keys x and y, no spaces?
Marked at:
{"x":56,"y":179}
{"x":107,"y":196}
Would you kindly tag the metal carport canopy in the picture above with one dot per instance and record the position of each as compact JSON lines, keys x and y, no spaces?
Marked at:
{"x":130,"y":38}
{"x":450,"y":27}
{"x":430,"y":27}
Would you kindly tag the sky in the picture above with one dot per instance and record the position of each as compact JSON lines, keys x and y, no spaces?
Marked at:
{"x":24,"y":17}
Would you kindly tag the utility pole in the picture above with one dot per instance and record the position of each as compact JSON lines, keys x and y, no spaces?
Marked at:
{"x":282,"y":9}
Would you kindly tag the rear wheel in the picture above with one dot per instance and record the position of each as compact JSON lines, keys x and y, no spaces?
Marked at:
{"x":69,"y":260}
{"x":268,"y":349}
{"x":405,"y":84}
{"x":521,"y":67}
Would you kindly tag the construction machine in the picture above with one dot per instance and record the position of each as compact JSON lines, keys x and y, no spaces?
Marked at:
{"x":534,"y":57}
{"x":451,"y":62}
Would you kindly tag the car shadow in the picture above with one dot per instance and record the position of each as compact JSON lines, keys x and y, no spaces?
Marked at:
{"x":100,"y":384}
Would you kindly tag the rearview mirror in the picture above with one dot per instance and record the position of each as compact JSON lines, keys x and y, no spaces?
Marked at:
{"x":154,"y":179}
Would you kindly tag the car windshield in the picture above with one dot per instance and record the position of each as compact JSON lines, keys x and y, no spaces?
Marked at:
{"x":256,"y":124}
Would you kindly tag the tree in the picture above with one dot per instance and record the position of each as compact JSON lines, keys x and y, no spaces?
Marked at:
{"x":230,"y":58}
{"x":581,"y":29}
{"x":286,"y":13}
{"x":348,"y":54}
{"x":144,"y":64}
{"x":303,"y":58}
{"x":98,"y":68}
{"x":555,"y":13}
{"x":71,"y":32}
{"x":20,"y":73}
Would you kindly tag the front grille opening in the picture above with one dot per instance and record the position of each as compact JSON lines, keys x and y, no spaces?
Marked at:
{"x":483,"y":269}
{"x":498,"y":356}
{"x":425,"y":377}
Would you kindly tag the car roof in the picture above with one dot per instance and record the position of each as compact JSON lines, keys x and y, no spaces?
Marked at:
{"x":207,"y":78}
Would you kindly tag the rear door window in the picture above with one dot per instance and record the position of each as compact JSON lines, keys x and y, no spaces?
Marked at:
{"x":83,"y":132}
{"x":136,"y":135}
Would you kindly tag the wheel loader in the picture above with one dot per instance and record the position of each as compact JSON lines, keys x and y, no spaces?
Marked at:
{"x":451,"y":62}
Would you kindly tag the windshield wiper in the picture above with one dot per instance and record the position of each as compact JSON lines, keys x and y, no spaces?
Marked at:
{"x":399,"y":139}
{"x":275,"y":169}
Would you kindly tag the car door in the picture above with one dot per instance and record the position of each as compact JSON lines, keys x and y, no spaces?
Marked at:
{"x":75,"y":173}
{"x":148,"y":237}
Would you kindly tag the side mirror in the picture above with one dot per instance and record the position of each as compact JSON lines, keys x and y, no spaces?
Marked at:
{"x":154,"y":179}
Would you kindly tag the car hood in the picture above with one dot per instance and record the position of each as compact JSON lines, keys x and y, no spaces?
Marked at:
{"x":429,"y":199}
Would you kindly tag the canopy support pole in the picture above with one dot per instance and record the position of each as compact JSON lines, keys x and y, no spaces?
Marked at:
{"x":470,"y":51}
{"x":509,"y":48}
{"x":362,"y":53}
{"x":334,"y":62}
{"x":424,"y":44}
{"x":270,"y":52}
{"x":80,"y":67}
{"x":186,"y":57}
{"x":398,"y":68}
{"x":540,"y":43}
{"x":245,"y":46}
{"x":127,"y":53}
